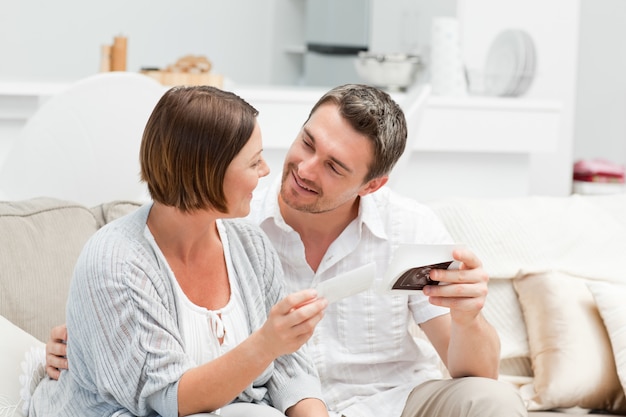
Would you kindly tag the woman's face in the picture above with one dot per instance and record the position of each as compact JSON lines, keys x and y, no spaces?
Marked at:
{"x":243,"y":173}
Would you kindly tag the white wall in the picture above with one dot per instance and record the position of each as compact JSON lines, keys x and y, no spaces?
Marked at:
{"x":600,"y":124}
{"x":404,"y":25}
{"x":246,"y":40}
{"x":287,"y":35}
{"x":554,"y":27}
{"x":60,"y":40}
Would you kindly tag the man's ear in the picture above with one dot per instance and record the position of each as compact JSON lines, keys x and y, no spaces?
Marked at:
{"x":373,"y":185}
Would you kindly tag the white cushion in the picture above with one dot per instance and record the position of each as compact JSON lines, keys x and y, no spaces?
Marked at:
{"x":15,"y":346}
{"x":503,"y":311}
{"x":611,"y":302}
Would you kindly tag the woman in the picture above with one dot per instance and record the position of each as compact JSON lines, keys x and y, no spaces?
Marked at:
{"x":176,"y":308}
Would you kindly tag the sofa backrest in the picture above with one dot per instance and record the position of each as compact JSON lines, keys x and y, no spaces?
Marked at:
{"x":40,"y":240}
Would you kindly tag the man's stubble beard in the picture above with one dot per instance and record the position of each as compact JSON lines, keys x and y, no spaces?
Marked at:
{"x":291,"y":199}
{"x":319,"y":206}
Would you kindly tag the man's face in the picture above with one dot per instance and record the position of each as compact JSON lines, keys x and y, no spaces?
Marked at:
{"x":325,"y":167}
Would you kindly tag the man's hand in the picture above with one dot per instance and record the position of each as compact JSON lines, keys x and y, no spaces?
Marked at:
{"x":467,"y":290}
{"x":467,"y":343}
{"x":56,"y":351}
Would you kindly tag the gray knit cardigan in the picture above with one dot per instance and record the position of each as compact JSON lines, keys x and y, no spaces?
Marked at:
{"x":125,"y":351}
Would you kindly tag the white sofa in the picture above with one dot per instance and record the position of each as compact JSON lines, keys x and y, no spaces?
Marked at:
{"x":557,"y":289}
{"x":557,"y":293}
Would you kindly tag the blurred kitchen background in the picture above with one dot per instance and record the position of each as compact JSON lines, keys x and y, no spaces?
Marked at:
{"x":296,"y":45}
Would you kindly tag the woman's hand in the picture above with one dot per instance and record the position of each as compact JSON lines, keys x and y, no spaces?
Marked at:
{"x":290,"y":324}
{"x":292,"y":321}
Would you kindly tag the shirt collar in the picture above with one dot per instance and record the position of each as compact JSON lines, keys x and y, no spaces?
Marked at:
{"x":370,"y":216}
{"x":265,"y":206}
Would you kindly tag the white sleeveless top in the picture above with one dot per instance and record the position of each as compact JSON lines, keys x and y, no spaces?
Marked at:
{"x":202,"y":328}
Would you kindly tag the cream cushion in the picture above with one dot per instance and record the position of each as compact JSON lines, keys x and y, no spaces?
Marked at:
{"x":570,"y":349}
{"x":40,"y":241}
{"x":107,"y":212}
{"x":611,"y":302}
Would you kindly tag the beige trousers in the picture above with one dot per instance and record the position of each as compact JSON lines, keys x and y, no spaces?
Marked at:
{"x":464,"y":397}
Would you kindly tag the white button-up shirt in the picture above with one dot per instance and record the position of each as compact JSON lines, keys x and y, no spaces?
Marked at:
{"x":366,"y":358}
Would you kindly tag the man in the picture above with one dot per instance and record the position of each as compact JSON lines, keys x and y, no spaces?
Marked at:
{"x":331,"y":213}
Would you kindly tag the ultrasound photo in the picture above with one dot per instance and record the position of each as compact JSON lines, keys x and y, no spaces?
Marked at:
{"x":418,"y":278}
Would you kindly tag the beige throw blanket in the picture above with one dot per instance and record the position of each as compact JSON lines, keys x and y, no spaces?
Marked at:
{"x":579,"y":235}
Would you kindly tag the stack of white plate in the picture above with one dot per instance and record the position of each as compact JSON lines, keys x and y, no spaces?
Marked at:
{"x":510,"y":64}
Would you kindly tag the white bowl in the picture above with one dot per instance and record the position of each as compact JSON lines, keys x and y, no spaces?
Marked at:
{"x":392,"y":71}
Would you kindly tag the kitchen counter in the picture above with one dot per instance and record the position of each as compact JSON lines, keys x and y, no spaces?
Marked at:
{"x":450,"y":124}
{"x":476,"y":146}
{"x":30,"y":89}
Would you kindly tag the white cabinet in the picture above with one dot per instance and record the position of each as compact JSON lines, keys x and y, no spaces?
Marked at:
{"x":480,"y":147}
{"x":491,"y":125}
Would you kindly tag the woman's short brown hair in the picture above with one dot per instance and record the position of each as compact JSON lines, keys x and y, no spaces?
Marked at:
{"x":190,"y":139}
{"x":373,"y":113}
